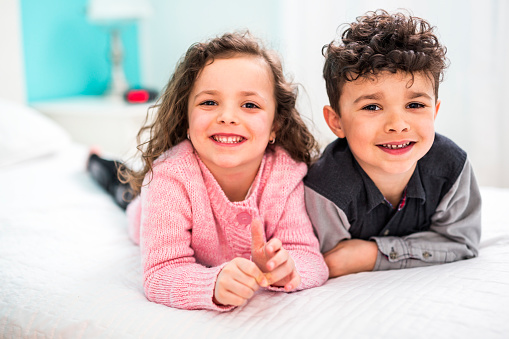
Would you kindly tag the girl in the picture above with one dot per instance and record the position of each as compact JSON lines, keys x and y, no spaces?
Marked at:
{"x":222,"y":172}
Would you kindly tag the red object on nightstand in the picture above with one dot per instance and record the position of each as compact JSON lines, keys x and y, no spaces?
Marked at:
{"x":136,"y":96}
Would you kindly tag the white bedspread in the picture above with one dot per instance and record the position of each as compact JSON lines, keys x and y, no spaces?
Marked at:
{"x":69,"y":270}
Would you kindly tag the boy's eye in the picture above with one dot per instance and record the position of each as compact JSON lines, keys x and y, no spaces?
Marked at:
{"x":250,"y":105}
{"x":415,"y":105}
{"x":208,"y":103}
{"x":372,"y":108}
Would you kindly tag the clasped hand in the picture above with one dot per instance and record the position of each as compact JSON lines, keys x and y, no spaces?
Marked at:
{"x":351,"y":256}
{"x":272,"y":265}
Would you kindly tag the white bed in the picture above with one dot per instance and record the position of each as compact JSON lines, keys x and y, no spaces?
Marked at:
{"x":69,"y":270}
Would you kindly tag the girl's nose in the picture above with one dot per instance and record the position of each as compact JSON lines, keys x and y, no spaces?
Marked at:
{"x":227,"y":116}
{"x":396,"y":123}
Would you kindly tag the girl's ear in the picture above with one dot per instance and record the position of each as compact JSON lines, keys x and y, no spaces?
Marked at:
{"x":334,"y":121}
{"x":275,"y":128}
{"x":272,"y":135}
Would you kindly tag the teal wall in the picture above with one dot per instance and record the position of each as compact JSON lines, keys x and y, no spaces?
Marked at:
{"x":66,"y":55}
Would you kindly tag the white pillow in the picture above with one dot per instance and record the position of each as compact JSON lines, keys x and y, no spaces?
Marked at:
{"x":26,"y":134}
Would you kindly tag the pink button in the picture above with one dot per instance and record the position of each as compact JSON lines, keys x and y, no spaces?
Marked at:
{"x":244,"y":218}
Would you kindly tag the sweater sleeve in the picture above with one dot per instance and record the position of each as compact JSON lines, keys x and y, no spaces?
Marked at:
{"x":172,"y":276}
{"x":296,"y":234}
{"x":289,"y":222}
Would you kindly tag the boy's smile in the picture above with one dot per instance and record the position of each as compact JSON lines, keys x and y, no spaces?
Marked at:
{"x":397,"y":148}
{"x":388,"y":121}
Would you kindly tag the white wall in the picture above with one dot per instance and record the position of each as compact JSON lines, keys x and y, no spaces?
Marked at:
{"x":175,"y":25}
{"x":474,"y":111}
{"x":12,"y":76}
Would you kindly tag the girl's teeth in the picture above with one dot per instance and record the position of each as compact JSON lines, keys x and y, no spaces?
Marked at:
{"x":228,"y":140}
{"x":396,"y":146}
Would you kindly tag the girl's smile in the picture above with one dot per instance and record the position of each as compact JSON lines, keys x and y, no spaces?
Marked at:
{"x":231,"y":111}
{"x":227,"y":140}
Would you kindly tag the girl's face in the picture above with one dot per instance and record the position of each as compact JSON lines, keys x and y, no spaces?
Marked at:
{"x":231,"y":112}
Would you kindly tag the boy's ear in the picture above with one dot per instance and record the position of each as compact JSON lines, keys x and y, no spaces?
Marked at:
{"x":437,"y":107}
{"x":334,"y":121}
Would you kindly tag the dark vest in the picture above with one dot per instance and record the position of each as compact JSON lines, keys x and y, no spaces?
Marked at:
{"x":339,"y":178}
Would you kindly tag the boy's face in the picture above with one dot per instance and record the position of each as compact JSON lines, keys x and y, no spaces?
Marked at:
{"x":388,"y":121}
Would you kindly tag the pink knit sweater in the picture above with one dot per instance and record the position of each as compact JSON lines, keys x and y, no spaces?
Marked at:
{"x":188,"y":229}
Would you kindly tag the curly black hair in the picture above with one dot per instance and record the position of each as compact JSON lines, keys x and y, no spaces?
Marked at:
{"x":377,"y":42}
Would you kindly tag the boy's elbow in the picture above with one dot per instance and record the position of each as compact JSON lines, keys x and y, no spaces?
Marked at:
{"x":470,"y":251}
{"x":474,"y":252}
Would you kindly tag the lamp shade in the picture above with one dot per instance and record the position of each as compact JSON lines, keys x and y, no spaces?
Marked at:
{"x":104,"y":11}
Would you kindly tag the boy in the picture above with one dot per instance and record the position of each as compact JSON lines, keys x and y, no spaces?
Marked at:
{"x":390,"y":193}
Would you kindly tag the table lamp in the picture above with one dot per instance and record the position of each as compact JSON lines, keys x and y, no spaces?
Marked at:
{"x":114,"y":14}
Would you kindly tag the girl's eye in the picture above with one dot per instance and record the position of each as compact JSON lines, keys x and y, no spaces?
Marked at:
{"x":372,"y":108}
{"x":208,"y":103}
{"x":415,"y":105}
{"x":250,"y":105}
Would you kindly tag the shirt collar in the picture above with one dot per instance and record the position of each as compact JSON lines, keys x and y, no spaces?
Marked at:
{"x":373,"y":195}
{"x":414,"y":189}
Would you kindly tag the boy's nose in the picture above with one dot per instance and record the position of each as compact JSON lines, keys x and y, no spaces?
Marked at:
{"x":396,"y":123}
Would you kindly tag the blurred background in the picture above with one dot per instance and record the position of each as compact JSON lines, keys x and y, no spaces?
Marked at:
{"x":56,"y":51}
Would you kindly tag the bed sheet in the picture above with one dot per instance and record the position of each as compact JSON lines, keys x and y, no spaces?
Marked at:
{"x":69,"y":270}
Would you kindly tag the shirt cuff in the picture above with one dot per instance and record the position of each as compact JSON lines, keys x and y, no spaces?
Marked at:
{"x":396,"y":253}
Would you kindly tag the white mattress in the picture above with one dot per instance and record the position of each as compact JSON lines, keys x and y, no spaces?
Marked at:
{"x":69,"y":270}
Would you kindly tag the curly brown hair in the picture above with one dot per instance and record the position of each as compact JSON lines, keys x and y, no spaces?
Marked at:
{"x":377,"y":42}
{"x":170,"y":124}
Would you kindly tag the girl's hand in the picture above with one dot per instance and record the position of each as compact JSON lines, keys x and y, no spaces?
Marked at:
{"x":237,"y":282}
{"x":272,"y":259}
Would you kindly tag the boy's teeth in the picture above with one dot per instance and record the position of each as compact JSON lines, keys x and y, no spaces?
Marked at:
{"x":227,"y":139}
{"x":396,"y":146}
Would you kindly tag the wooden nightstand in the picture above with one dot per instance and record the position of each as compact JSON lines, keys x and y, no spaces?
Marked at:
{"x":111,"y":124}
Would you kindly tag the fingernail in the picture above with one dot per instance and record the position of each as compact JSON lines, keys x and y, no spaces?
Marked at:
{"x":268,"y":276}
{"x":262,"y":281}
{"x":270,"y":266}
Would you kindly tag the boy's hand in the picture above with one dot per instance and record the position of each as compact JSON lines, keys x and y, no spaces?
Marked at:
{"x":272,"y":259}
{"x":237,"y":282}
{"x":351,"y":256}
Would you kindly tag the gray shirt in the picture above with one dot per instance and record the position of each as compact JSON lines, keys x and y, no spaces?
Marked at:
{"x":439,"y":220}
